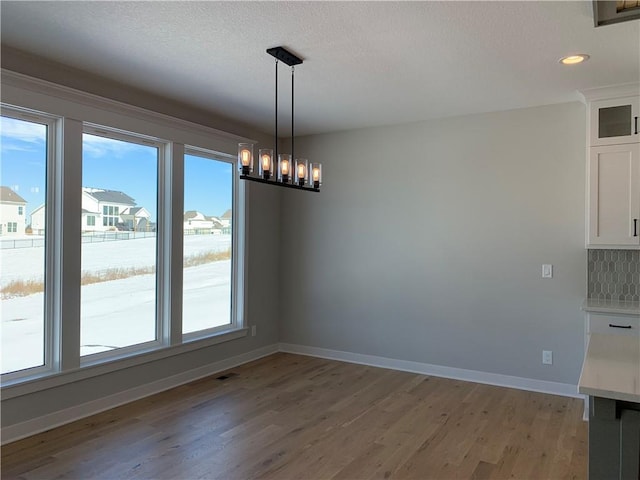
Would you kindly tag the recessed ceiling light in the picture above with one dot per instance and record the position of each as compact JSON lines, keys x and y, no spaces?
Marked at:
{"x":574,"y":59}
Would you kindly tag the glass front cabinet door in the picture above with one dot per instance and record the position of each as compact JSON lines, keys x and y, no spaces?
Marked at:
{"x":615,"y":121}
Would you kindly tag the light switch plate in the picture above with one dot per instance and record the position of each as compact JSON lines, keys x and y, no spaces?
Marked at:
{"x":547,"y":271}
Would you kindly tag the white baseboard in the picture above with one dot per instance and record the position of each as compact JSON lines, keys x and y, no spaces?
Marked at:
{"x":56,"y":419}
{"x":520,"y":383}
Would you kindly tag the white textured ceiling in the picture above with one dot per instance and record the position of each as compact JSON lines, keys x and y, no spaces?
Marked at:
{"x":365,"y":63}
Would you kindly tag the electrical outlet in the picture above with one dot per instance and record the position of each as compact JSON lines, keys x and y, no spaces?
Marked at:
{"x":547,"y":271}
{"x":547,"y":357}
{"x":253,"y":330}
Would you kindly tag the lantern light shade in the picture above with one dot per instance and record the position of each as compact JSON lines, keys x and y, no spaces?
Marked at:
{"x":284,"y":168}
{"x":302,"y":171}
{"x":315,"y":175}
{"x":265,"y":163}
{"x":245,"y":158}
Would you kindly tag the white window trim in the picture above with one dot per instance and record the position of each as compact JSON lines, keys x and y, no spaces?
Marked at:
{"x":63,"y":106}
{"x":39,"y":95}
{"x":237,"y":246}
{"x":51,"y":240}
{"x":161,"y":293}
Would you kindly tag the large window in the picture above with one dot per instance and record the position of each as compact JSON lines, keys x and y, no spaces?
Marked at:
{"x":91,"y":226}
{"x":207,"y":243}
{"x":118,"y":295}
{"x":23,"y":170}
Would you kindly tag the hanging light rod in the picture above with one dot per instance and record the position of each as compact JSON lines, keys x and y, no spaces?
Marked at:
{"x":291,"y":172}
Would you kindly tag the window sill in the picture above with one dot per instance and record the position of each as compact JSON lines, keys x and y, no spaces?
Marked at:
{"x":45,"y":380}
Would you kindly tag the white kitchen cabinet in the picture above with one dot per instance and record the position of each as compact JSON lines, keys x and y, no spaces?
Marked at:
{"x":614,"y":121}
{"x":614,"y":196}
{"x":611,"y":324}
{"x":613,"y":166}
{"x":628,"y":325}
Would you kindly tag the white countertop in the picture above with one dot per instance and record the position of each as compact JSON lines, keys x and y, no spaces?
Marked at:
{"x":611,"y":306}
{"x":611,"y":367}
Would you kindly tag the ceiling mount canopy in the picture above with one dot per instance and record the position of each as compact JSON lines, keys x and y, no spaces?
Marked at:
{"x":291,"y":172}
{"x":284,"y":55}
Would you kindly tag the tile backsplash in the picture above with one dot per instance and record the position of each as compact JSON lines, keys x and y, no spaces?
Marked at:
{"x":614,"y":274}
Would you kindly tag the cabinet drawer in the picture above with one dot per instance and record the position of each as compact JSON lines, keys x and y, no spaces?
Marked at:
{"x":622,"y":324}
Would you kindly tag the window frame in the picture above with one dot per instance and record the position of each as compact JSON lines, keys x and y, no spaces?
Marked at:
{"x":160,"y":293}
{"x":51,"y":239}
{"x":237,"y":319}
{"x":70,"y":110}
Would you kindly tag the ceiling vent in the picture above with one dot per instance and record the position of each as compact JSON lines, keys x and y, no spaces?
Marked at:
{"x":606,"y":12}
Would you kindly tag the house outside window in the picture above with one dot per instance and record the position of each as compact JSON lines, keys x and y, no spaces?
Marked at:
{"x":91,"y":220}
{"x":11,"y":204}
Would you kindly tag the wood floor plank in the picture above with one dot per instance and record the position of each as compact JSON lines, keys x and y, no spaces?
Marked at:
{"x":295,"y":417}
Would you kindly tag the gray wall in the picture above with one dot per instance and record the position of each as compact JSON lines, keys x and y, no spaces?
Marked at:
{"x":427,"y":241}
{"x":263,"y":250}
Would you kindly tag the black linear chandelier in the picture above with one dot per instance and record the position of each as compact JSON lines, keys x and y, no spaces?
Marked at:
{"x":291,"y":172}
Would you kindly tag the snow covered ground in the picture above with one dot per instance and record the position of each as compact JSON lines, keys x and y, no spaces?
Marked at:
{"x":117,"y":313}
{"x":28,"y":263}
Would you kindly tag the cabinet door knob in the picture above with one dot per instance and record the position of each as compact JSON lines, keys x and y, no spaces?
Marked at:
{"x":613,"y":325}
{"x":635,"y":227}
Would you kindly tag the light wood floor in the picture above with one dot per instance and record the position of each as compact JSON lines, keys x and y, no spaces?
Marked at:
{"x":289,"y":416}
